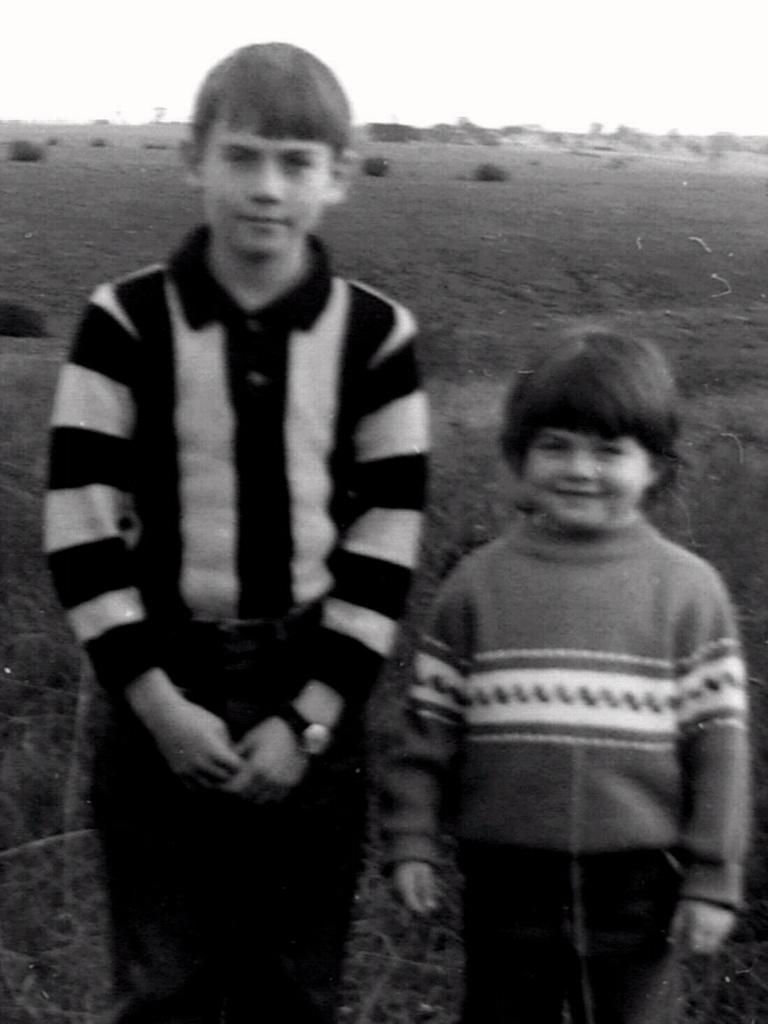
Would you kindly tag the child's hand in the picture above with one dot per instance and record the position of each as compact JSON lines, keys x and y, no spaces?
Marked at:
{"x":272,"y":763}
{"x":416,"y":883}
{"x":195,"y":742}
{"x":701,"y":927}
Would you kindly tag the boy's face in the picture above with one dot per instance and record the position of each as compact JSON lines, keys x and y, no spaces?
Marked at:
{"x":585,"y":483}
{"x":263,"y":196}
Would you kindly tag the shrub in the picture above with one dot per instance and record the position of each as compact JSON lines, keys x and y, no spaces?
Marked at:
{"x":52,"y":140}
{"x":25,"y":151}
{"x":98,"y":142}
{"x":490,"y":172}
{"x":376,"y":166}
{"x":18,"y":321}
{"x":156,"y":145}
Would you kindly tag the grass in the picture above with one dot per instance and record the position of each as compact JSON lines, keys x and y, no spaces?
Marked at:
{"x":490,"y":274}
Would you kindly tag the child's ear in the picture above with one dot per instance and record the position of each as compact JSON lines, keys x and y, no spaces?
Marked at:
{"x":512,"y":488}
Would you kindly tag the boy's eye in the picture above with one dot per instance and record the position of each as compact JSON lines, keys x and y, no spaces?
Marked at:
{"x":297,"y":161}
{"x":235,"y":155}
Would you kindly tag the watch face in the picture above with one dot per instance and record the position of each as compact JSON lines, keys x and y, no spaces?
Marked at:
{"x":316,"y":739}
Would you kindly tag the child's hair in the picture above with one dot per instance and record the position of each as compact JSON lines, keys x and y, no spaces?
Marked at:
{"x":600,"y":383}
{"x":277,"y":89}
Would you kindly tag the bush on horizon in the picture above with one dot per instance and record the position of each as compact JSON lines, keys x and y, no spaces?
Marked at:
{"x":490,"y":172}
{"x":376,"y":166}
{"x":20,"y":321}
{"x":25,"y":151}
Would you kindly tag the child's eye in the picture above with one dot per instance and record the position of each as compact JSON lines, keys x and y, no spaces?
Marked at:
{"x":550,"y":443}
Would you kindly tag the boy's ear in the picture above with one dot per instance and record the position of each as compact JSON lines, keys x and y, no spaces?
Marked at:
{"x":190,"y":157}
{"x":344,"y":170}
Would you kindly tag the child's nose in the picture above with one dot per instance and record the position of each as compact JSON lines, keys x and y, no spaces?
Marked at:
{"x":582,"y":464}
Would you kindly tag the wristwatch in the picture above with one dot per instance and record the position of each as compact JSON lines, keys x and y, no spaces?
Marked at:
{"x":314,"y":738}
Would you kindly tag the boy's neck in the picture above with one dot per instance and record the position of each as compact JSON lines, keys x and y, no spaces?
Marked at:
{"x":254,"y":284}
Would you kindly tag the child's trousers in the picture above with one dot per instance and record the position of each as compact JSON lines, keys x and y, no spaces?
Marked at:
{"x":224,"y":911}
{"x":545,"y":929}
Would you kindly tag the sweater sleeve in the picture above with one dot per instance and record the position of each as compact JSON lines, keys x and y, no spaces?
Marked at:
{"x":713,"y":706}
{"x":417,"y":782}
{"x":90,"y":525}
{"x":374,"y":560}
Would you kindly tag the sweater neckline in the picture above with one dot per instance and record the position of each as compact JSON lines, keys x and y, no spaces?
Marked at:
{"x":534,"y":536}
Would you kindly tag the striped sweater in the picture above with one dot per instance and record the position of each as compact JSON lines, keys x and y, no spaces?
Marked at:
{"x":206,"y":464}
{"x":580,"y":696}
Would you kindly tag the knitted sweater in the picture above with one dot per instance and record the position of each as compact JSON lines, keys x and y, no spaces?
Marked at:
{"x":207,"y":464}
{"x":581,"y":696}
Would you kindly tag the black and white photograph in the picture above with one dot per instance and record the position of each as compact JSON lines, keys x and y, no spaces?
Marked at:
{"x":384,"y":513}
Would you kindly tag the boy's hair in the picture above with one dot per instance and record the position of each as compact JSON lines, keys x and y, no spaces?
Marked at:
{"x":278,"y":90}
{"x":600,"y":383}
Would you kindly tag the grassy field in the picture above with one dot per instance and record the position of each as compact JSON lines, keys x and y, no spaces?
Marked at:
{"x":671,"y":247}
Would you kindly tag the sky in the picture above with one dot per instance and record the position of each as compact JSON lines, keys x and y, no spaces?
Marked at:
{"x":693,"y":65}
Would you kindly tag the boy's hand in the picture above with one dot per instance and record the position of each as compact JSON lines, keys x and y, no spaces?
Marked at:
{"x":415,"y":881}
{"x":273,"y":763}
{"x":701,"y":927}
{"x":195,"y":742}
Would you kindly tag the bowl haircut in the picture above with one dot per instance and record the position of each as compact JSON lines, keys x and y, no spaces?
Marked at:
{"x":276,"y":90}
{"x":596,"y":382}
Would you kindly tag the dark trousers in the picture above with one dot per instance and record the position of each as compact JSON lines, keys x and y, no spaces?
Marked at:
{"x":227,"y":912}
{"x":544,"y":929}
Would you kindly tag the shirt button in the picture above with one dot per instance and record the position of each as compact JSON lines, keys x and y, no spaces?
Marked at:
{"x":253,"y":324}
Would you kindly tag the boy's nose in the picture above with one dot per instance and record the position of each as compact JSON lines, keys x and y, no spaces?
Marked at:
{"x":266,"y":181}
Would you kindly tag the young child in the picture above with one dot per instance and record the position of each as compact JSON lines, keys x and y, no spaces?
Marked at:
{"x":579,"y":706}
{"x":236,"y":484}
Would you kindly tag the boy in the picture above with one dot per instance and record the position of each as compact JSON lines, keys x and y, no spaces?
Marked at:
{"x":580,"y":704}
{"x":237,"y":475}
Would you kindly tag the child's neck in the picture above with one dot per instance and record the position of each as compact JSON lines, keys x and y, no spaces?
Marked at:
{"x":254,"y":284}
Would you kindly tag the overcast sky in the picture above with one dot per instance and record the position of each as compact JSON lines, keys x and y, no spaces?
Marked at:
{"x":694,"y":65}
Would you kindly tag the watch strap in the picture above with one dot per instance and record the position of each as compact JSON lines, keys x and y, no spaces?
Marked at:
{"x":293,"y":718}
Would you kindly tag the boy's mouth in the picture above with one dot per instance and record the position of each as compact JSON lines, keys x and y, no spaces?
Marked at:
{"x":260,"y":221}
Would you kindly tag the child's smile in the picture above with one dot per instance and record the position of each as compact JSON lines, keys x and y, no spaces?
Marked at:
{"x":585,"y":483}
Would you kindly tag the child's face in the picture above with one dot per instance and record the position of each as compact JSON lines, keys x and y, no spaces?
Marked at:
{"x":263,"y":196}
{"x":585,"y":483}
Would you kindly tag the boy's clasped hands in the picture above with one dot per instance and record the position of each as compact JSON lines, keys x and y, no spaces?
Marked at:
{"x":263,"y":766}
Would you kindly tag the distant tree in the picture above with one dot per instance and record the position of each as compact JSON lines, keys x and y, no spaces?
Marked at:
{"x":723,"y":142}
{"x":672,"y":139}
{"x":595,"y":128}
{"x":160,"y":113}
{"x":390,"y":131}
{"x":443,"y":133}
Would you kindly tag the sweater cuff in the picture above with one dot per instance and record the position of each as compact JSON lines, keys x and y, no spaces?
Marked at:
{"x":410,"y":846}
{"x":714,"y":883}
{"x":344,"y":664}
{"x":122,"y":654}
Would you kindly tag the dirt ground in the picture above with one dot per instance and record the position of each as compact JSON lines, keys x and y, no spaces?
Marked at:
{"x":662,"y":244}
